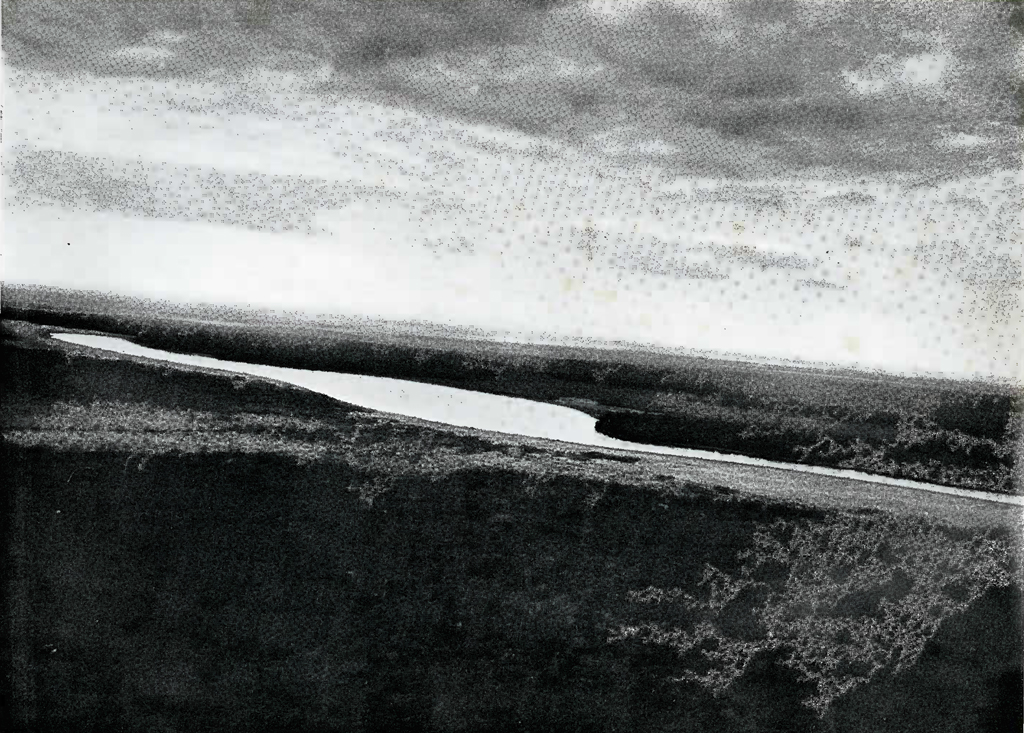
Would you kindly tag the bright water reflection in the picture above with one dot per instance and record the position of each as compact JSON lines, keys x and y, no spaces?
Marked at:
{"x":478,"y":410}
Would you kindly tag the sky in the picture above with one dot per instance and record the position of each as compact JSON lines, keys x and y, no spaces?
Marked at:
{"x":714,"y":218}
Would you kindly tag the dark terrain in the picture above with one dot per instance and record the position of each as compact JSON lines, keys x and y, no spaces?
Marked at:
{"x":186,"y":550}
{"x":192,"y":552}
{"x":955,"y":433}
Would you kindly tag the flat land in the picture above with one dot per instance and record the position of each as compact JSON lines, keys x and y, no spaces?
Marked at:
{"x":951,"y":432}
{"x":195,"y":551}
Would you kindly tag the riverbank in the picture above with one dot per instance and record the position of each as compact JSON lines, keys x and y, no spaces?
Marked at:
{"x":488,"y":414}
{"x":952,"y":433}
{"x":267,"y":563}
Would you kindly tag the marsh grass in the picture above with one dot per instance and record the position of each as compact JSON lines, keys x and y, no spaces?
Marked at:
{"x":845,"y":600}
{"x":941,"y":431}
{"x":183,"y":563}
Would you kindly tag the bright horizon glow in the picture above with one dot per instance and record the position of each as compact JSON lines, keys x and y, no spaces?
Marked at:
{"x":479,"y":227}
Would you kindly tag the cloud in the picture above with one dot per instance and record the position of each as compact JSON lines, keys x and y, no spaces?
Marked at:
{"x":921,"y":71}
{"x":823,"y":84}
{"x":963,"y":140}
{"x":924,"y":69}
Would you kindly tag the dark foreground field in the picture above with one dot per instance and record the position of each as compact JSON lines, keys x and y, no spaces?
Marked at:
{"x":190,"y":551}
{"x":955,"y":433}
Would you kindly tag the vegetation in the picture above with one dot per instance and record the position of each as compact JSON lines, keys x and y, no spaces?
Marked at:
{"x":844,"y":600}
{"x":941,"y":431}
{"x":185,"y":562}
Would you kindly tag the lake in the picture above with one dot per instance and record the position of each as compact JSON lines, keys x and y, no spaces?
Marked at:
{"x":481,"y":411}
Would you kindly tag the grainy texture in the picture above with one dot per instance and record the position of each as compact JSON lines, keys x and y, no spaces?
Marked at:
{"x":182,"y":563}
{"x":786,"y":230}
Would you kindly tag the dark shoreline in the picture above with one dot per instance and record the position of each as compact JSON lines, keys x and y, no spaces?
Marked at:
{"x":961,"y":435}
{"x":208,"y":555}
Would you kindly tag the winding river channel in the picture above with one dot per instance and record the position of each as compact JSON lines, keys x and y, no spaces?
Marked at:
{"x":482,"y":411}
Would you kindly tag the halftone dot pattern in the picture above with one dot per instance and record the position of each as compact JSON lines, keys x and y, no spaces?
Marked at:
{"x":649,"y":172}
{"x":795,"y":181}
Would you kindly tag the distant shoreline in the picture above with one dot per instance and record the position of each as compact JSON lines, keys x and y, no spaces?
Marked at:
{"x":722,"y":456}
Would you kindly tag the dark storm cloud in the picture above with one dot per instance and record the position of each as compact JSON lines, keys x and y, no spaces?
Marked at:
{"x":725,"y":85}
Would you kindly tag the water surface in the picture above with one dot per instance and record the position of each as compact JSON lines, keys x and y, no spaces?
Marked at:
{"x":482,"y":411}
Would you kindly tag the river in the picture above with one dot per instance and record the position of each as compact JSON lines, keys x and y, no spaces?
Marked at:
{"x":482,"y":411}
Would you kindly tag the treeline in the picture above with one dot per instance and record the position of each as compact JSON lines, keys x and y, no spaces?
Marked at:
{"x":954,"y":433}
